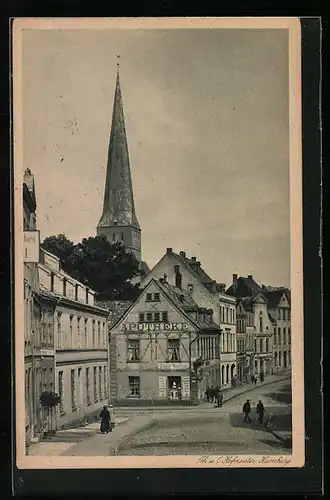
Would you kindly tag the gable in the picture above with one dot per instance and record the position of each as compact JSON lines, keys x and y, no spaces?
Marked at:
{"x":149,"y":304}
{"x":283,"y":301}
{"x":259,"y":299}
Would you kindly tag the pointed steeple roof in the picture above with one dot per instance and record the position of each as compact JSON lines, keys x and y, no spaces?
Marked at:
{"x":118,"y":205}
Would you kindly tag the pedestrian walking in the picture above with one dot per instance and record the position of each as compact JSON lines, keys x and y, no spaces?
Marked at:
{"x":260,"y":412}
{"x":112,"y":417}
{"x":219,"y":397}
{"x":262,"y":376}
{"x":207,"y":394}
{"x":246,"y":411}
{"x":211,"y":394}
{"x":105,"y":420}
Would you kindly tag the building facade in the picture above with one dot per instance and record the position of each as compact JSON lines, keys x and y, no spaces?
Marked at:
{"x":279,"y":307}
{"x":38,"y":325}
{"x":187,"y":274}
{"x":164,"y":350}
{"x":81,"y":344}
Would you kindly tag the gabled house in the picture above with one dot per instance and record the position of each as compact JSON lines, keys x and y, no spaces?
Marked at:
{"x":279,"y":307}
{"x":157,"y":346}
{"x":187,"y":274}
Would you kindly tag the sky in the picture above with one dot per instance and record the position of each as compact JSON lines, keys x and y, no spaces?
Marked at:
{"x":207,"y":121}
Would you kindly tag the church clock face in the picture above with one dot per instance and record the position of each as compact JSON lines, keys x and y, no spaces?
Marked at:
{"x":136,"y":239}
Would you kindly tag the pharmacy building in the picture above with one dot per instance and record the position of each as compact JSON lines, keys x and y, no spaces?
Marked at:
{"x":165,"y":349}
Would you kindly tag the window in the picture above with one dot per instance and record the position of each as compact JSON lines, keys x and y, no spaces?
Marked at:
{"x":60,"y":390}
{"x":105,"y":382}
{"x":227,"y":316}
{"x":80,"y":396}
{"x":157,"y":317}
{"x":88,"y":396}
{"x":267,"y":345}
{"x":93,"y":333}
{"x":284,"y":335}
{"x":261,"y":323}
{"x":73,"y":391}
{"x":165,"y":317}
{"x":64,"y":287}
{"x":52,"y":282}
{"x":78,"y":332}
{"x":173,"y":347}
{"x":113,"y":237}
{"x":76,"y":292}
{"x":86,"y":333}
{"x":190,"y":288}
{"x":95,"y":384}
{"x":141,"y":317}
{"x":71,"y":332}
{"x":133,"y":349}
{"x":289,"y":314}
{"x":100,"y":382}
{"x":87,"y":294}
{"x":149,"y":316}
{"x":134,"y":386}
{"x":156,"y":297}
{"x":261,"y":345}
{"x":289,"y":335}
{"x":122,"y":236}
{"x":99,"y":334}
{"x":149,"y":297}
{"x":255,"y":345}
{"x":59,"y":330}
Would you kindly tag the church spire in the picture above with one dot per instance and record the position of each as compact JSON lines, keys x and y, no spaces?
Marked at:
{"x":118,"y":206}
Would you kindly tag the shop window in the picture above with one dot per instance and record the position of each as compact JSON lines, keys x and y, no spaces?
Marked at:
{"x":173,"y":347}
{"x":134,"y":386}
{"x":133,"y":349}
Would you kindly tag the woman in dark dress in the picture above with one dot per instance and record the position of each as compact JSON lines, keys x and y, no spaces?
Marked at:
{"x":105,"y":420}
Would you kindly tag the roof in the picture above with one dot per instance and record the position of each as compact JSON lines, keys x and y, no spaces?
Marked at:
{"x":183,"y":301}
{"x":45,"y":293}
{"x":246,"y":287}
{"x":273,"y":296}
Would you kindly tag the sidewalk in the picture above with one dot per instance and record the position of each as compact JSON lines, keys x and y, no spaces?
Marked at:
{"x":65,"y":439}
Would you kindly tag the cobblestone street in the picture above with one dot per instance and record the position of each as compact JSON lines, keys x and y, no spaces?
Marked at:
{"x":211,"y":430}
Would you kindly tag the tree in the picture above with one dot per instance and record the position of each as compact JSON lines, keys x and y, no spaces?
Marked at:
{"x":48,"y":400}
{"x":102,"y":266}
{"x":60,"y":246}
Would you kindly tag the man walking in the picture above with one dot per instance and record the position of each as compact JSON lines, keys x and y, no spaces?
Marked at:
{"x":260,"y":412}
{"x":246,"y":411}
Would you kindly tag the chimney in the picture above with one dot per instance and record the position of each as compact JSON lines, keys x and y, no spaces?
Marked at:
{"x":165,"y":278}
{"x":193,"y":258}
{"x":169,"y":250}
{"x":183,"y":254}
{"x":161,"y":280}
{"x":250,"y":276}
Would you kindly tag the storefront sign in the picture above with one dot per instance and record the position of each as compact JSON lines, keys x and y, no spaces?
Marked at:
{"x":185,"y":387}
{"x":31,"y":246}
{"x":162,"y":390}
{"x":173,"y":366}
{"x":155,"y":327}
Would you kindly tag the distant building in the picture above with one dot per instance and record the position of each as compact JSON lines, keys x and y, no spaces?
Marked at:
{"x":164,"y":349}
{"x":245,"y":334}
{"x":119,"y":221}
{"x":254,"y":304}
{"x":279,"y":307}
{"x":187,"y":273}
{"x":81,"y":344}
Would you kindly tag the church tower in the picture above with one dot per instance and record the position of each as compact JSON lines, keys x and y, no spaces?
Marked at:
{"x":118,"y":221}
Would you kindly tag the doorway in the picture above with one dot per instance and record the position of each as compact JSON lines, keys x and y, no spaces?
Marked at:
{"x":174,"y":388}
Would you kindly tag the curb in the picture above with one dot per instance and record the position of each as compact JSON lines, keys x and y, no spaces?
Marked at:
{"x":148,"y":425}
{"x":288,"y":377}
{"x":287,"y":442}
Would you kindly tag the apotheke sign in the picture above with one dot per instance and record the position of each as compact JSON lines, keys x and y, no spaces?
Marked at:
{"x":150,"y":327}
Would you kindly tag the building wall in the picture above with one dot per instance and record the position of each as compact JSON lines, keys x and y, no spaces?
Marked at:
{"x":154,"y":367}
{"x":263,"y":359}
{"x":282,"y":336}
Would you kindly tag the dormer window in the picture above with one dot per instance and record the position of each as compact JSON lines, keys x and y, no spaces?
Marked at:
{"x":190,"y":288}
